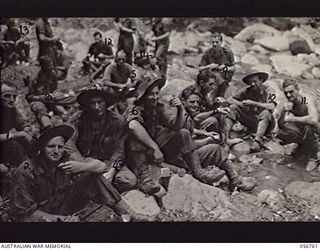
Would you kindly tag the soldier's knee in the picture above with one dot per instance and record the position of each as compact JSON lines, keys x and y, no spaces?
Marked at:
{"x":183,"y":134}
{"x":265,"y":115}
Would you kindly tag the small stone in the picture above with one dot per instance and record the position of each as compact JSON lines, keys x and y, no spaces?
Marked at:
{"x":242,"y":148}
{"x":316,"y":72}
{"x":272,"y":198}
{"x":256,"y":160}
{"x":307,"y":75}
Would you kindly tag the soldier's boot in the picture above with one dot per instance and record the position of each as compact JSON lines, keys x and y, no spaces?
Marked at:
{"x":123,"y":209}
{"x":203,"y":175}
{"x":147,"y":184}
{"x":236,"y":180}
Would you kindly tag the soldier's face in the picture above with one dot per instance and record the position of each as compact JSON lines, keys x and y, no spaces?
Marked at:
{"x":152,"y":97}
{"x":8,"y":97}
{"x":208,"y":85}
{"x":255,"y":81}
{"x":192,"y":105}
{"x":54,"y":149}
{"x":291,"y":92}
{"x":216,"y":42}
{"x":98,"y":38}
{"x":98,"y":106}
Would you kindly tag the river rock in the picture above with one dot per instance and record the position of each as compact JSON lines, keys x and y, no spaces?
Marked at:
{"x":263,"y":68}
{"x":274,"y":147}
{"x":273,"y":199}
{"x":240,"y":149}
{"x":191,"y":196}
{"x":287,"y":64}
{"x":316,"y":72}
{"x":311,"y":59}
{"x":259,"y":49}
{"x":307,"y":75}
{"x":256,"y":31}
{"x":274,"y":43}
{"x":250,"y":58}
{"x":141,"y":203}
{"x":237,"y":47}
{"x":304,"y":190}
{"x":175,"y":86}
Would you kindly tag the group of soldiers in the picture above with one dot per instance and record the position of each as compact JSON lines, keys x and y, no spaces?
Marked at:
{"x":122,"y":129}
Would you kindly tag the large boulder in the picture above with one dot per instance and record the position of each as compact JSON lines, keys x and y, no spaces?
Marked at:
{"x":175,"y":86}
{"x":274,"y":43}
{"x":304,"y":190}
{"x":288,"y":65}
{"x":256,"y":31}
{"x":298,"y":34}
{"x":259,"y":49}
{"x":188,"y":195}
{"x":185,"y":41}
{"x":250,"y":58}
{"x":263,"y":68}
{"x":141,"y":203}
{"x":237,"y":47}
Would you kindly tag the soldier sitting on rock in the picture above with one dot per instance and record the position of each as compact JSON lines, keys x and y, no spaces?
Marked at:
{"x":210,"y":153}
{"x":219,"y":59}
{"x":99,"y":55}
{"x":63,"y":62}
{"x":40,"y":95}
{"x":157,"y":135}
{"x":119,"y":79}
{"x":52,"y":187}
{"x":299,"y":122}
{"x":252,"y":107}
{"x":212,"y":111}
{"x":16,"y":132}
{"x":100,"y":134}
{"x":14,"y":48}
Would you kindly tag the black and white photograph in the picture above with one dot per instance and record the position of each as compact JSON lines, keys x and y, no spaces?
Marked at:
{"x":160,"y":119}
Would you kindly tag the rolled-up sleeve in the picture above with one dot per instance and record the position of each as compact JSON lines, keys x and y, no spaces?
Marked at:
{"x":134,"y":113}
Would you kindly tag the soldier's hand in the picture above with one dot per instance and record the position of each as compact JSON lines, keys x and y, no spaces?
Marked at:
{"x":212,"y":135}
{"x":72,"y":167}
{"x":288,"y":106}
{"x":110,"y":175}
{"x":224,"y":110}
{"x":176,"y":102}
{"x":158,"y":156}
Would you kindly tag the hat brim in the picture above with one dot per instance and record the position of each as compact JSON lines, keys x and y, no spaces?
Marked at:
{"x":84,"y":97}
{"x":264,"y":76}
{"x":63,"y":130}
{"x":160,"y":82}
